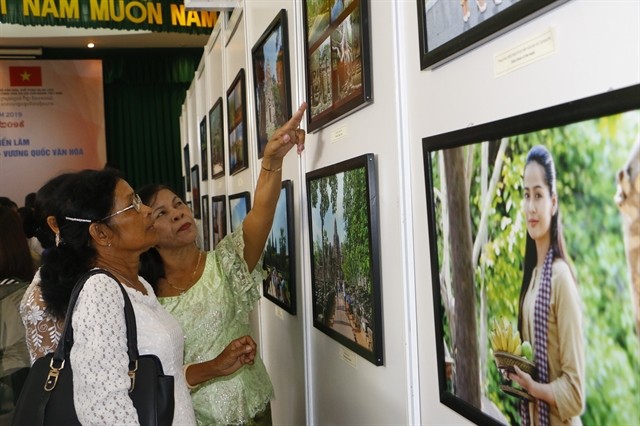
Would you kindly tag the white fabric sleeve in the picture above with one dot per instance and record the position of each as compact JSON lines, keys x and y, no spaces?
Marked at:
{"x":99,"y":356}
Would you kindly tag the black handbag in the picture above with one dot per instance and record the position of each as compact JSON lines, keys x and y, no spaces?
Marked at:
{"x":47,"y":396}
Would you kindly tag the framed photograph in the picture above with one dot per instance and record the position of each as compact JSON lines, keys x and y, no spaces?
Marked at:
{"x":187,"y":167}
{"x":485,"y":224}
{"x":279,"y":255}
{"x":219,"y":218}
{"x":206,"y":234}
{"x":195,"y":191}
{"x":448,"y":29}
{"x":204,"y":159}
{"x":237,"y":124}
{"x":271,"y":79}
{"x":239,"y":206}
{"x":345,"y":255}
{"x":216,"y":133}
{"x":338,"y":59}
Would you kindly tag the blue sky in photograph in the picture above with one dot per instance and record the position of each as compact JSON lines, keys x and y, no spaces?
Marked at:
{"x":238,"y":212}
{"x":279,"y":221}
{"x":329,"y":216}
{"x":271,"y":47}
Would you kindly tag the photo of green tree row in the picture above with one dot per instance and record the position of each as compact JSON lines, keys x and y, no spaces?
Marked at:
{"x":589,"y":159}
{"x":345,"y":288}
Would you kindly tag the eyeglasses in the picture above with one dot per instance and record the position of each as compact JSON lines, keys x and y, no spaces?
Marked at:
{"x":136,"y":204}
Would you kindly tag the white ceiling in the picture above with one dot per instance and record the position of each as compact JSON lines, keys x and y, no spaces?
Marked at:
{"x":77,"y":38}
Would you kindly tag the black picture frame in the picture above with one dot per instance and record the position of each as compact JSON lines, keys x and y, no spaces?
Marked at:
{"x":280,"y":255}
{"x":237,"y":124}
{"x":195,"y":191}
{"x":218,"y":218}
{"x":204,"y":144}
{"x":187,"y":167}
{"x":337,"y":59}
{"x":583,"y":135}
{"x":206,"y":234}
{"x":444,"y":35}
{"x":272,"y":79}
{"x":239,"y":207}
{"x":345,"y":255}
{"x":216,"y":134}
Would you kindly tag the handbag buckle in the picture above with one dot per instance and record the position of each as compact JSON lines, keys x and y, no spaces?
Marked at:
{"x":132,"y":376}
{"x":52,"y":378}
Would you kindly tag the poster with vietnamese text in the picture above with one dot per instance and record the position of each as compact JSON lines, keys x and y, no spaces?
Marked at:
{"x":51,"y":121}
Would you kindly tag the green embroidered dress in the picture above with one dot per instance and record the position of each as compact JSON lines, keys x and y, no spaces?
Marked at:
{"x":214,"y":311}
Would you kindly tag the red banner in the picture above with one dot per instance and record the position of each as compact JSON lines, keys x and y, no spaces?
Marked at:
{"x":25,"y":76}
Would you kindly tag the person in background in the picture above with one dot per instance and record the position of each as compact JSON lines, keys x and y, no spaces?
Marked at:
{"x":8,"y":202}
{"x":16,"y":271}
{"x":29,"y":226}
{"x":550,"y":314}
{"x":43,"y":329}
{"x":212,"y":294}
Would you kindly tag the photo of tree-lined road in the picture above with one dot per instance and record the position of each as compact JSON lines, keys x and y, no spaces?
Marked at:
{"x":344,"y":293}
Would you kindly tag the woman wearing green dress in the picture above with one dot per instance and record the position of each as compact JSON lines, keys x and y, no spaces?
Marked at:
{"x":212,"y":294}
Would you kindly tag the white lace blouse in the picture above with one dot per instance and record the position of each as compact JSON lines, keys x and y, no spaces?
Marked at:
{"x":99,"y":354}
{"x":43,"y":330}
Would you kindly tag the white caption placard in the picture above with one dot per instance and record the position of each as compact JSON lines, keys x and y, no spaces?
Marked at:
{"x":525,"y":53}
{"x":339,"y":133}
{"x":348,"y":357}
{"x":279,"y":313}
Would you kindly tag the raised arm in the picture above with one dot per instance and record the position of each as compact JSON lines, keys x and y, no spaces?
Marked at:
{"x":257,"y":225}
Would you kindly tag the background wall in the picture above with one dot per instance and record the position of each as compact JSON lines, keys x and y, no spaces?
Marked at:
{"x":597,"y":49}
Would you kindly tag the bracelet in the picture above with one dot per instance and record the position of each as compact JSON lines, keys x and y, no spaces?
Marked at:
{"x":271,"y":170}
{"x":184,"y":370}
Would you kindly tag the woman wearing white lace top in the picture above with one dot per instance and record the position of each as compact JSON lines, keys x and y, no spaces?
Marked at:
{"x":103,"y":224}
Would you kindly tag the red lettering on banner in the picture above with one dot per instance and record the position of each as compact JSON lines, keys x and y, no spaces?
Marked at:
{"x":25,"y":76}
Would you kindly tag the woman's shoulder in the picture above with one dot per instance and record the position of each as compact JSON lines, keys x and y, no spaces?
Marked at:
{"x":563,"y":278}
{"x":561,"y":269}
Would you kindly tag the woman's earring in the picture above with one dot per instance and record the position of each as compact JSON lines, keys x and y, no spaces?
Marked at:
{"x":58,"y":239}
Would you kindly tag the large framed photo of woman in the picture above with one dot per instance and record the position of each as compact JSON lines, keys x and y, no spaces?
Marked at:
{"x":279,"y":255}
{"x":272,"y":80}
{"x":216,"y":133}
{"x":219,"y":218}
{"x":338,"y":59}
{"x":450,"y":28}
{"x":530,"y":220}
{"x":345,"y":255}
{"x":237,"y":124}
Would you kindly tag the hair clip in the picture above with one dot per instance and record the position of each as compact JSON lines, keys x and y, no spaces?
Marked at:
{"x":75,"y":219}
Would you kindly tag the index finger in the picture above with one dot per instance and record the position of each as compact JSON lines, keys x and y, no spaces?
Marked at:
{"x":296,"y":118}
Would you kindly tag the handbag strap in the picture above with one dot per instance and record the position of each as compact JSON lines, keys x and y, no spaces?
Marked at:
{"x":66,"y":340}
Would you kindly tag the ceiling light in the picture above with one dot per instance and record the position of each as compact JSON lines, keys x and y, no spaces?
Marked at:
{"x":90,"y":45}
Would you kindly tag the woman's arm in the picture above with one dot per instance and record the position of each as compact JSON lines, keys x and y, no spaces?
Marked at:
{"x":239,"y":352}
{"x":257,"y":224}
{"x":99,"y":355}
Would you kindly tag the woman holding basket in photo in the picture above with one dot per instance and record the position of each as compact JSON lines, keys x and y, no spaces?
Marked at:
{"x":550,"y":314}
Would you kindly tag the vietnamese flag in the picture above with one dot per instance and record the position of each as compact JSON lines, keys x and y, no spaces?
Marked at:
{"x":25,"y":76}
